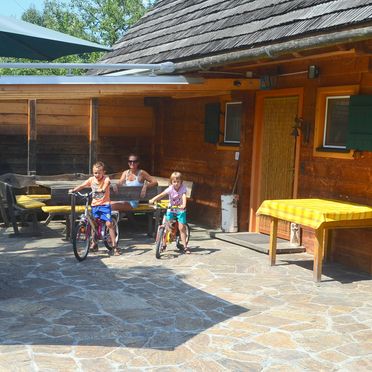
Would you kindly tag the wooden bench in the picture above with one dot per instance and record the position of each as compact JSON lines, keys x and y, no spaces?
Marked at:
{"x":127,"y":193}
{"x":21,"y":206}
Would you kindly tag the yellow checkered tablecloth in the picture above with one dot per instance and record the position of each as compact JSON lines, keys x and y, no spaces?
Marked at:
{"x":314,"y":212}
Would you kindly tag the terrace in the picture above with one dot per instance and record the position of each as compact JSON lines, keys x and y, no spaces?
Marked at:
{"x":221,"y":308}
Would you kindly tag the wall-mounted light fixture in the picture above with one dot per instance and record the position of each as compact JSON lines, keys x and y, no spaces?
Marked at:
{"x":313,"y":71}
{"x":300,"y":125}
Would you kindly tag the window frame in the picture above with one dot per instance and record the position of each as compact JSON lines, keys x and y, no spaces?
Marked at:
{"x":222,"y":145}
{"x":229,"y":104}
{"x":319,"y":150}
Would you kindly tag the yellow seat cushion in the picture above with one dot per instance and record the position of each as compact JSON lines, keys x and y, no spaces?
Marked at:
{"x":40,"y":196}
{"x":28,"y":203}
{"x":62,"y":208}
{"x":143,"y":207}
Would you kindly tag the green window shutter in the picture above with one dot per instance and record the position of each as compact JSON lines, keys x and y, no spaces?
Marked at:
{"x":360,"y":123}
{"x":212,"y":122}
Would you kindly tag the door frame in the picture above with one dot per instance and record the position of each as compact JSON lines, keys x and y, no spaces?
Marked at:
{"x":257,"y":148}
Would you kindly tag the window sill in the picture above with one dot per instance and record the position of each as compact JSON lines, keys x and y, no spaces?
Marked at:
{"x":228,"y":147}
{"x":322,"y":152}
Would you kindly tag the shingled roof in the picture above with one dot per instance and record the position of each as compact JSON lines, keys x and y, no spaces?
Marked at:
{"x":184,"y":30}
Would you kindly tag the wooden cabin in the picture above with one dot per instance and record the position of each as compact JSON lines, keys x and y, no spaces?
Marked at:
{"x":284,"y":111}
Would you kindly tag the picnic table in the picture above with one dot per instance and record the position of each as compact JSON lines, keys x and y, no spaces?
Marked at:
{"x":323,"y":215}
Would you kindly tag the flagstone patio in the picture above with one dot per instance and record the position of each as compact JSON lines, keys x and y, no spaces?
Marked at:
{"x":222,"y":308}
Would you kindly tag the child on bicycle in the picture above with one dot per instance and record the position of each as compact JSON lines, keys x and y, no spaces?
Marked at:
{"x":177,"y":198}
{"x":101,"y":208}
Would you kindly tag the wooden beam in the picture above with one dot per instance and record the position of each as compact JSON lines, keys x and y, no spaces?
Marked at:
{"x":31,"y":137}
{"x":81,"y":91}
{"x":93,"y":132}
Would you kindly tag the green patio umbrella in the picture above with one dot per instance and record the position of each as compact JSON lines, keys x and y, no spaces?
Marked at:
{"x":26,"y":40}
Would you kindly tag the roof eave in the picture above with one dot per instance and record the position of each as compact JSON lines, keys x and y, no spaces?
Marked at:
{"x":274,"y":51}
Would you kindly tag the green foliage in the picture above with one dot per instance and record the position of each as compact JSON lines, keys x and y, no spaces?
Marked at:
{"x":100,"y":21}
{"x":108,"y":20}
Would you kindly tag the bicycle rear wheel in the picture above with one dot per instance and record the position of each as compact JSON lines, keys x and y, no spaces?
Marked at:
{"x":81,"y":240}
{"x":178,"y":237}
{"x":107,"y":239}
{"x":159,"y":244}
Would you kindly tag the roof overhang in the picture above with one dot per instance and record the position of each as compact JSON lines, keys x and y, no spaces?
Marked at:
{"x":79,"y":87}
{"x":98,"y":80}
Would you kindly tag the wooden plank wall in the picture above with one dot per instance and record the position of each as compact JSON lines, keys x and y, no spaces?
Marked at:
{"x":13,"y":136}
{"x":62,"y":136}
{"x":342,"y":179}
{"x":125,"y":125}
{"x":180,"y":146}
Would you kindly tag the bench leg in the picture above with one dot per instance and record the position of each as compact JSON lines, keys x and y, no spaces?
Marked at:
{"x":4,"y":215}
{"x":150,"y":231}
{"x":13,"y":221}
{"x":35,"y":224}
{"x":49,"y":218}
{"x":157,"y":216}
{"x":68,"y":227}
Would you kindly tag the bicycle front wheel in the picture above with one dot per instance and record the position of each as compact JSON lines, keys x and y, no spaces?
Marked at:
{"x":159,"y":244}
{"x":178,"y":237}
{"x":107,"y":240}
{"x":81,"y":240}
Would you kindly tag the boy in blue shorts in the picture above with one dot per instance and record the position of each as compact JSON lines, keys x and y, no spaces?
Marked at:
{"x":101,"y":208}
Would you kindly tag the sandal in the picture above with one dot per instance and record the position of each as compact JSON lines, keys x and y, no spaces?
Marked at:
{"x":93,"y":247}
{"x":186,"y":251}
{"x":117,"y":251}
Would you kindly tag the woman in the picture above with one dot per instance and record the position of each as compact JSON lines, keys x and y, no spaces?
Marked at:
{"x":133,"y":177}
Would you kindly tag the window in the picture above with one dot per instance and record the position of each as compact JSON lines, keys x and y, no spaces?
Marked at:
{"x":222,"y":123}
{"x":336,"y":122}
{"x":331,"y":121}
{"x":233,"y":115}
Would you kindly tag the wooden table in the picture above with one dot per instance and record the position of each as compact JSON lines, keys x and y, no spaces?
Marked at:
{"x":322,"y":215}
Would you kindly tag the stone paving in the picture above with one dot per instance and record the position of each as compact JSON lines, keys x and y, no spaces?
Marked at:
{"x":222,"y":308}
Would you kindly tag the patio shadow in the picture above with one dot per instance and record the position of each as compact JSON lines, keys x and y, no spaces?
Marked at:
{"x":331,"y":271}
{"x":48,"y":298}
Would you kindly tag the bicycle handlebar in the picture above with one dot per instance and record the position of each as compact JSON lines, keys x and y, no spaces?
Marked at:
{"x":173,"y":207}
{"x":85,"y":195}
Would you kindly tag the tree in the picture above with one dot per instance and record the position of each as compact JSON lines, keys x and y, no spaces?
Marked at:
{"x":108,"y":20}
{"x":100,"y":21}
{"x":57,"y":16}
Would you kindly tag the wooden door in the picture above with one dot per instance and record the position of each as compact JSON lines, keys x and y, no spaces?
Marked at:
{"x":277,"y":156}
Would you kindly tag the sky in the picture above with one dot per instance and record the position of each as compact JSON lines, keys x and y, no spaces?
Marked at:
{"x":15,"y":8}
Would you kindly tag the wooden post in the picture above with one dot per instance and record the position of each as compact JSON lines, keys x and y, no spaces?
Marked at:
{"x":31,"y":137}
{"x":318,"y":254}
{"x":93,"y":133}
{"x":273,"y":235}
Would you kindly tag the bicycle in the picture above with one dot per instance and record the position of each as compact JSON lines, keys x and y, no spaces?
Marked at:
{"x":168,"y":232}
{"x":90,"y":229}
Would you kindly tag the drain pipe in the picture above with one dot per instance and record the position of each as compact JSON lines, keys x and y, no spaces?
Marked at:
{"x":276,"y":50}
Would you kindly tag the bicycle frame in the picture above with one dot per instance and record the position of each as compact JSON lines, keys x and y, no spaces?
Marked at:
{"x":95,"y":223}
{"x":89,"y":230}
{"x":165,"y":235}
